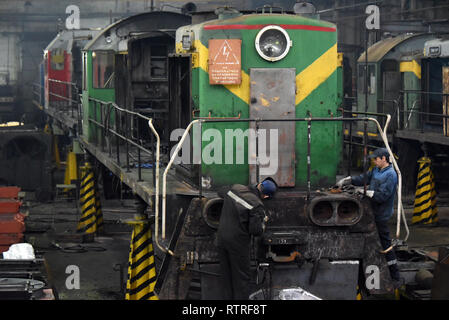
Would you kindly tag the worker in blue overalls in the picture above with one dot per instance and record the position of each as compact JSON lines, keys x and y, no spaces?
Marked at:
{"x":382,"y":180}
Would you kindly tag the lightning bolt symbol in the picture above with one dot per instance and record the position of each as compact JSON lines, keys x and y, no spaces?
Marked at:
{"x":226,"y":53}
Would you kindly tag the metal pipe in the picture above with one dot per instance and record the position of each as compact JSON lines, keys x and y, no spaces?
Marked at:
{"x":366,"y":70}
{"x":365,"y":154}
{"x":164,"y":182}
{"x":286,"y":120}
{"x":200,"y":168}
{"x":309,"y":142}
{"x":127,"y":144}
{"x":367,"y":113}
{"x":350,"y":149}
{"x":117,"y":139}
{"x":156,"y":206}
{"x":257,"y":153}
{"x":139,"y":169}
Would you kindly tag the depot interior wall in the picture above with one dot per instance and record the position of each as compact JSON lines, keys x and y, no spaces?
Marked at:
{"x":10,"y":58}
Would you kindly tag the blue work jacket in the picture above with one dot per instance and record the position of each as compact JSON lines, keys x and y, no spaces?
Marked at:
{"x":384,"y":183}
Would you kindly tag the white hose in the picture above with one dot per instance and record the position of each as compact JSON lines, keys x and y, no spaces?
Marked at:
{"x":156,"y":231}
{"x":400,"y":209}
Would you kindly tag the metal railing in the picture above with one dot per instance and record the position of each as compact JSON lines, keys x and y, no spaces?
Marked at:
{"x":64,"y":96}
{"x":420,"y":102}
{"x":114,"y":124}
{"x":38,"y":94}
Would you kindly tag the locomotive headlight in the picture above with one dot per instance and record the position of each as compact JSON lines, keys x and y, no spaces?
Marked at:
{"x":273,"y":43}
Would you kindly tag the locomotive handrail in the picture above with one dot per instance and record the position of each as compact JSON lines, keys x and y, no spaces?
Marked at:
{"x":108,"y":129}
{"x":164,"y":178}
{"x":139,"y":147}
{"x":69,"y":96}
{"x":426,"y":113}
{"x":63,"y":82}
{"x":156,"y":212}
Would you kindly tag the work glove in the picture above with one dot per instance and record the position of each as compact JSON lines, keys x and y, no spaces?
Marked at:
{"x":344,"y":182}
{"x":369,"y":193}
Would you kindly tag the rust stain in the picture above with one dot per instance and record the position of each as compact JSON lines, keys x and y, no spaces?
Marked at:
{"x":271,"y":85}
{"x":265,"y":102}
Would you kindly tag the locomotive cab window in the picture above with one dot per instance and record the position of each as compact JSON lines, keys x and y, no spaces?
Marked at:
{"x":57,"y":59}
{"x":103,"y":70}
{"x":371,"y":79}
{"x":273,"y":43}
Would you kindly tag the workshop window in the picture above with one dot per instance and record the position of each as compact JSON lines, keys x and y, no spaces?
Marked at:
{"x":371,"y":79}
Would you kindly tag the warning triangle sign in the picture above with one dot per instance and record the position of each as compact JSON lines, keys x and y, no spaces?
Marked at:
{"x":225,"y":61}
{"x":225,"y":54}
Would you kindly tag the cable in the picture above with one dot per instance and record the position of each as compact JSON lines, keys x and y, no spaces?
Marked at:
{"x":79,"y":248}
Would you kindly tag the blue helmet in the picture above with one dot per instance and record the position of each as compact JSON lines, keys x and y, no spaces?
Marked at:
{"x":268,"y":187}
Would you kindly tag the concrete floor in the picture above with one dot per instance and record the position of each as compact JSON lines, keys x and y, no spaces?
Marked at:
{"x":427,"y":237}
{"x":49,"y":223}
{"x":55,"y":223}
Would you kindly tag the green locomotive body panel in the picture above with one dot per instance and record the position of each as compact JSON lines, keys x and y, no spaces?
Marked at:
{"x":314,"y":57}
{"x":91,"y":132}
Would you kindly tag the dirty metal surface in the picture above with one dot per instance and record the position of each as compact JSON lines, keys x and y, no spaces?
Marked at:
{"x":417,"y":135}
{"x":273,"y":96}
{"x":440,"y":284}
{"x":336,"y":281}
{"x":175,"y":282}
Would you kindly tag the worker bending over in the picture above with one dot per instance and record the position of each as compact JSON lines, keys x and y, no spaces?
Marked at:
{"x":243,"y":215}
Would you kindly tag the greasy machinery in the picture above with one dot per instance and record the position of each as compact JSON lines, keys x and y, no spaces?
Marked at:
{"x":249,"y":96}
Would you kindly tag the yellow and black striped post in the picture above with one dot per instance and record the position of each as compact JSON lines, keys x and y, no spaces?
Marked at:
{"x":98,"y":211}
{"x":88,"y":220}
{"x":141,"y":267}
{"x":425,"y":209}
